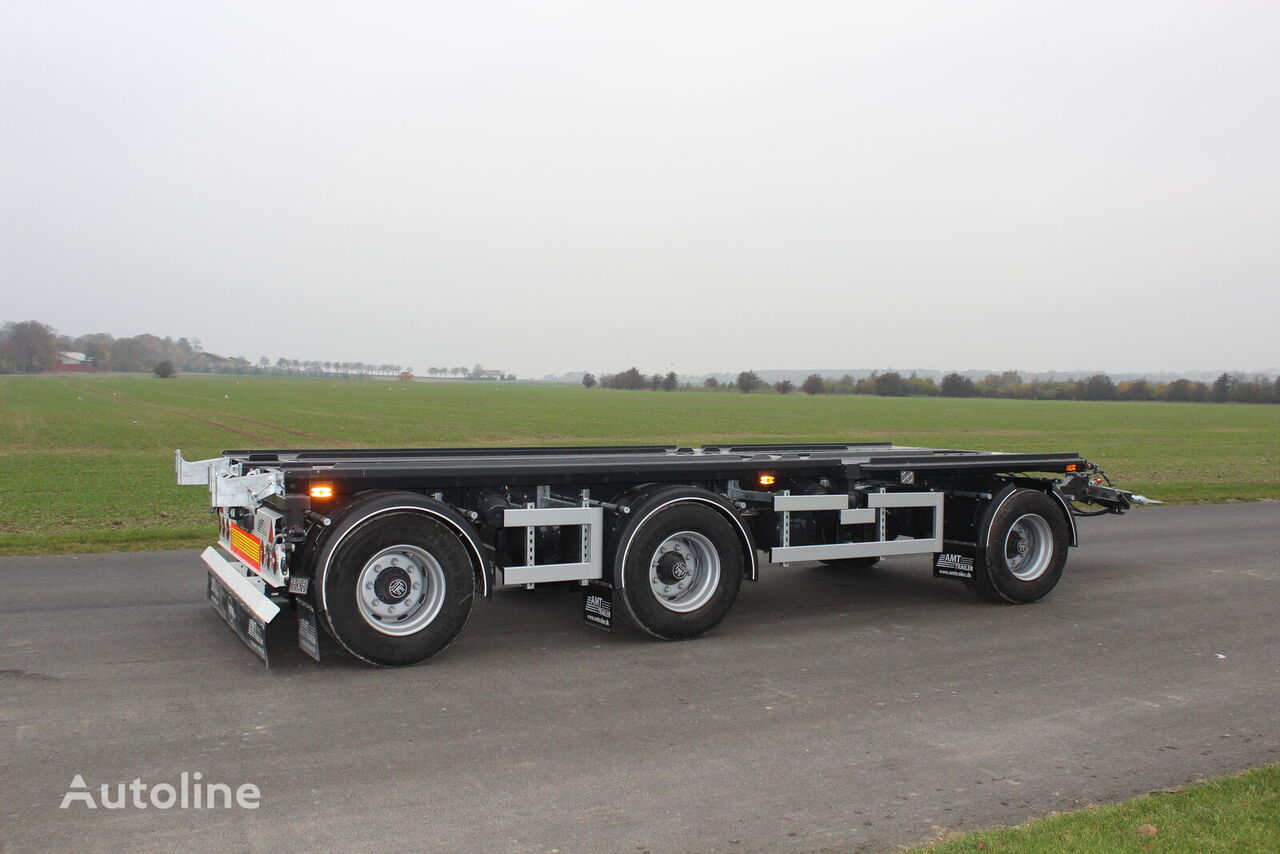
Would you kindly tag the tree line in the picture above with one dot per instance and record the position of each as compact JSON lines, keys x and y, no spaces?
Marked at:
{"x":30,"y":347}
{"x":1227,"y":388}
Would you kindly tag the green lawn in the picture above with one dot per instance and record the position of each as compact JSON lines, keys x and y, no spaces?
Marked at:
{"x":1231,"y":815}
{"x":86,"y":461}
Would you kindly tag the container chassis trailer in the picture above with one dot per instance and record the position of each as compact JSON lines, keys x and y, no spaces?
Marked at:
{"x":385,"y":550}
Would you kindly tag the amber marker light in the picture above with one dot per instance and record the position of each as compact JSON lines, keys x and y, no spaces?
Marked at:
{"x":1071,"y":466}
{"x":322,"y":491}
{"x":767,"y":480}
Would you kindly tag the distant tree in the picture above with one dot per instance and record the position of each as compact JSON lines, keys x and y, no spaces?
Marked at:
{"x":844,"y":385}
{"x":96,"y":349}
{"x":711,"y":382}
{"x":812,"y":384}
{"x":1250,"y":391}
{"x":631,"y":380}
{"x":1096,"y":387}
{"x":588,"y":380}
{"x":1178,"y":390}
{"x":784,"y":386}
{"x":165,"y":369}
{"x":30,"y":346}
{"x":957,"y":385}
{"x":1134,"y":390}
{"x":670,"y":382}
{"x":748,"y":381}
{"x":921,"y":386}
{"x":1224,"y":388}
{"x":97,"y":355}
{"x":891,"y":385}
{"x":1000,"y":385}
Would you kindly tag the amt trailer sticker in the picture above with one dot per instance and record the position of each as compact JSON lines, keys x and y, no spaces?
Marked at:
{"x":952,"y":565}
{"x":597,"y":606}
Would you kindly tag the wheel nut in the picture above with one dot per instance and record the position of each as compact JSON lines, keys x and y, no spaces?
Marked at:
{"x":369,"y":586}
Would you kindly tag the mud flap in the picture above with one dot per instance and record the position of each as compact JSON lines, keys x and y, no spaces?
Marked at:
{"x":597,"y":606}
{"x":953,"y":565}
{"x":308,"y":629}
{"x":246,"y":609}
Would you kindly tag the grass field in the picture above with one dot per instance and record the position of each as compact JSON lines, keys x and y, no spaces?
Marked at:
{"x":1230,"y":815}
{"x":86,"y":461}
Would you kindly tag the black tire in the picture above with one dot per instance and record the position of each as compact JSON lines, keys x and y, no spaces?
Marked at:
{"x":853,"y":563}
{"x":683,"y":537}
{"x":1027,"y":543}
{"x":425,"y":550}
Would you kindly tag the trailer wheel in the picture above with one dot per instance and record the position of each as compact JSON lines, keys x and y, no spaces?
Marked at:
{"x":1026,"y":550}
{"x":853,"y":563}
{"x":682,"y":571}
{"x":398,"y":590}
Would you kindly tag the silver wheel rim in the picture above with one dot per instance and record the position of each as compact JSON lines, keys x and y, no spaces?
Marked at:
{"x":684,"y":572}
{"x":400,"y":590}
{"x":1028,"y":547}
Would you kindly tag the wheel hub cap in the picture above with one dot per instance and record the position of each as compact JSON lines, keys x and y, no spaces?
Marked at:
{"x":393,"y":585}
{"x":672,"y":568}
{"x":1029,"y":547}
{"x":684,"y":571}
{"x":400,"y":590}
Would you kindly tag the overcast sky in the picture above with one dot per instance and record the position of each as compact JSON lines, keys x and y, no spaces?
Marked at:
{"x":703,"y":186}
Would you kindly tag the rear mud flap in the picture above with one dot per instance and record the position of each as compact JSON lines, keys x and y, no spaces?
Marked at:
{"x":246,"y":609}
{"x":308,"y":629}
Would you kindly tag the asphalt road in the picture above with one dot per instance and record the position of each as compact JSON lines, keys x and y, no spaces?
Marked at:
{"x":830,"y":712}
